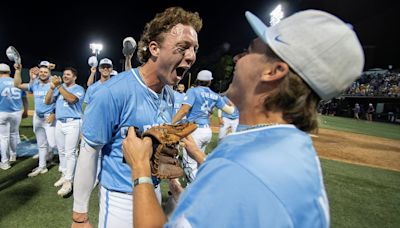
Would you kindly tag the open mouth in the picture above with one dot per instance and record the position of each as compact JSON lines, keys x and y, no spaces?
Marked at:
{"x":180,"y":72}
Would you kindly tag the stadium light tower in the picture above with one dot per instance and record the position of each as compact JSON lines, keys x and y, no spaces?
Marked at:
{"x":96,"y":48}
{"x":276,"y":15}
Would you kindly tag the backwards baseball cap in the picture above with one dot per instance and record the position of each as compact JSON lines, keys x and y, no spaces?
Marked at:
{"x":44,"y":64}
{"x":4,"y":67}
{"x":318,"y":46}
{"x":105,"y":61}
{"x":204,"y":75}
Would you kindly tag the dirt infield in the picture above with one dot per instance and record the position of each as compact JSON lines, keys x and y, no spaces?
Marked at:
{"x":355,"y":148}
{"x":358,"y":149}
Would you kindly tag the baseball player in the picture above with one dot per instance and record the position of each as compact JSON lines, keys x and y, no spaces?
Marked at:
{"x":106,"y":69}
{"x":10,"y":115}
{"x":43,"y":117}
{"x":68,"y":98}
{"x":179,"y":95}
{"x":227,"y":121}
{"x":267,"y":174}
{"x":197,"y":106}
{"x":141,"y":97}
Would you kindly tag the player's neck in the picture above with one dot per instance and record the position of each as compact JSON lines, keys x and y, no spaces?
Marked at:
{"x":149,"y":76}
{"x":104,"y":78}
{"x":255,"y":117}
{"x":44,"y":81}
{"x":70,"y":84}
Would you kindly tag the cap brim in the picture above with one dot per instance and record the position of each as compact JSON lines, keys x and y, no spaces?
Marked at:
{"x":257,"y":25}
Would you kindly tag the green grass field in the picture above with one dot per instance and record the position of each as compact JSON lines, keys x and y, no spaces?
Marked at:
{"x":359,"y":196}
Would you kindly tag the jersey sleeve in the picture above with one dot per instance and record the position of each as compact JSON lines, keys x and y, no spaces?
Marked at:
{"x":79,"y":92}
{"x":87,"y":95}
{"x":220,"y":102}
{"x":190,"y":97}
{"x":100,"y":119}
{"x":31,"y":87}
{"x":225,"y":194}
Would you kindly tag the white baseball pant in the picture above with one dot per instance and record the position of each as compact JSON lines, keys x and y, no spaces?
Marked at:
{"x":202,"y":136}
{"x":9,"y":133}
{"x":228,"y":123}
{"x":67,"y":139}
{"x":45,"y":137}
{"x":116,"y":208}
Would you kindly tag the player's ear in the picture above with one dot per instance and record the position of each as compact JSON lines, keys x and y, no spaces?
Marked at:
{"x":154,"y":48}
{"x":274,"y":71}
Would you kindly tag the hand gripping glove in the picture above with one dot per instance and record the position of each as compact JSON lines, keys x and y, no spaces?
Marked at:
{"x":164,"y":161}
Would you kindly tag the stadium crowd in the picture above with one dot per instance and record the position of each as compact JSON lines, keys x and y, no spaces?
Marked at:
{"x":385,"y":84}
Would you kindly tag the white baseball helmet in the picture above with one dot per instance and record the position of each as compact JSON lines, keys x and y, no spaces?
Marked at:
{"x":92,"y":61}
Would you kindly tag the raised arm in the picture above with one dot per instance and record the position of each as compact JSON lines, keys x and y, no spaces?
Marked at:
{"x":128,"y":62}
{"x":181,"y":113}
{"x":56,"y":83}
{"x":17,"y":78}
{"x":91,"y":76}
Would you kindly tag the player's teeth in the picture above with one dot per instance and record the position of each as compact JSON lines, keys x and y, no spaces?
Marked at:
{"x":180,"y":78}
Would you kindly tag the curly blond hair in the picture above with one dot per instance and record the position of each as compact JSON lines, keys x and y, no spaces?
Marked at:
{"x":162,"y":23}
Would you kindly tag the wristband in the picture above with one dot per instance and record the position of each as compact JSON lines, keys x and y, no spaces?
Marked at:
{"x":84,"y":221}
{"x":142,"y":180}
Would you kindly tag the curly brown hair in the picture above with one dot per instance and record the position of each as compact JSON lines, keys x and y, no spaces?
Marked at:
{"x":294,"y":98}
{"x":162,"y":23}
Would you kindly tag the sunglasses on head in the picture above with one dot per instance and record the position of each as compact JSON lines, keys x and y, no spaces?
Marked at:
{"x":105,"y":66}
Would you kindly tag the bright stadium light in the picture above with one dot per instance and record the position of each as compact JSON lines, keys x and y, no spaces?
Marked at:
{"x":96,"y":48}
{"x":276,"y":15}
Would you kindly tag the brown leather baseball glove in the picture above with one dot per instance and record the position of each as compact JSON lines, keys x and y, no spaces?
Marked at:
{"x":164,"y":161}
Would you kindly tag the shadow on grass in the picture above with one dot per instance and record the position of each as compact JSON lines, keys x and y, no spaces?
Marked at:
{"x":17,"y":172}
{"x":18,"y":197}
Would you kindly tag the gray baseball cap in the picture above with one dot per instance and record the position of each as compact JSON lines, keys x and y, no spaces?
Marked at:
{"x":4,"y":67}
{"x":323,"y":50}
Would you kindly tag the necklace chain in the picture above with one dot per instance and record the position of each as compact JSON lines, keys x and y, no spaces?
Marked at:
{"x":258,"y":126}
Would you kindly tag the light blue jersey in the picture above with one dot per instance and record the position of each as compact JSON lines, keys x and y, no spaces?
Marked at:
{"x":179,"y":97}
{"x":39,"y":91}
{"x":122,"y":102}
{"x":263,"y":177}
{"x":10,"y":96}
{"x":234,"y":115}
{"x":202,"y":100}
{"x":65,"y":110}
{"x":90,"y":91}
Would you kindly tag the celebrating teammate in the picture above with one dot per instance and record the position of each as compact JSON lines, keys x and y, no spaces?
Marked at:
{"x":105,"y":68}
{"x":179,"y":96}
{"x":227,"y":122}
{"x":267,"y":174}
{"x":11,"y":99}
{"x":140,"y":97}
{"x":43,"y":117}
{"x":68,"y":98}
{"x":197,"y":106}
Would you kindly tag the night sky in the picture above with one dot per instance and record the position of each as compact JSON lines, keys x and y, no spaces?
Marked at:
{"x":60,"y":32}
